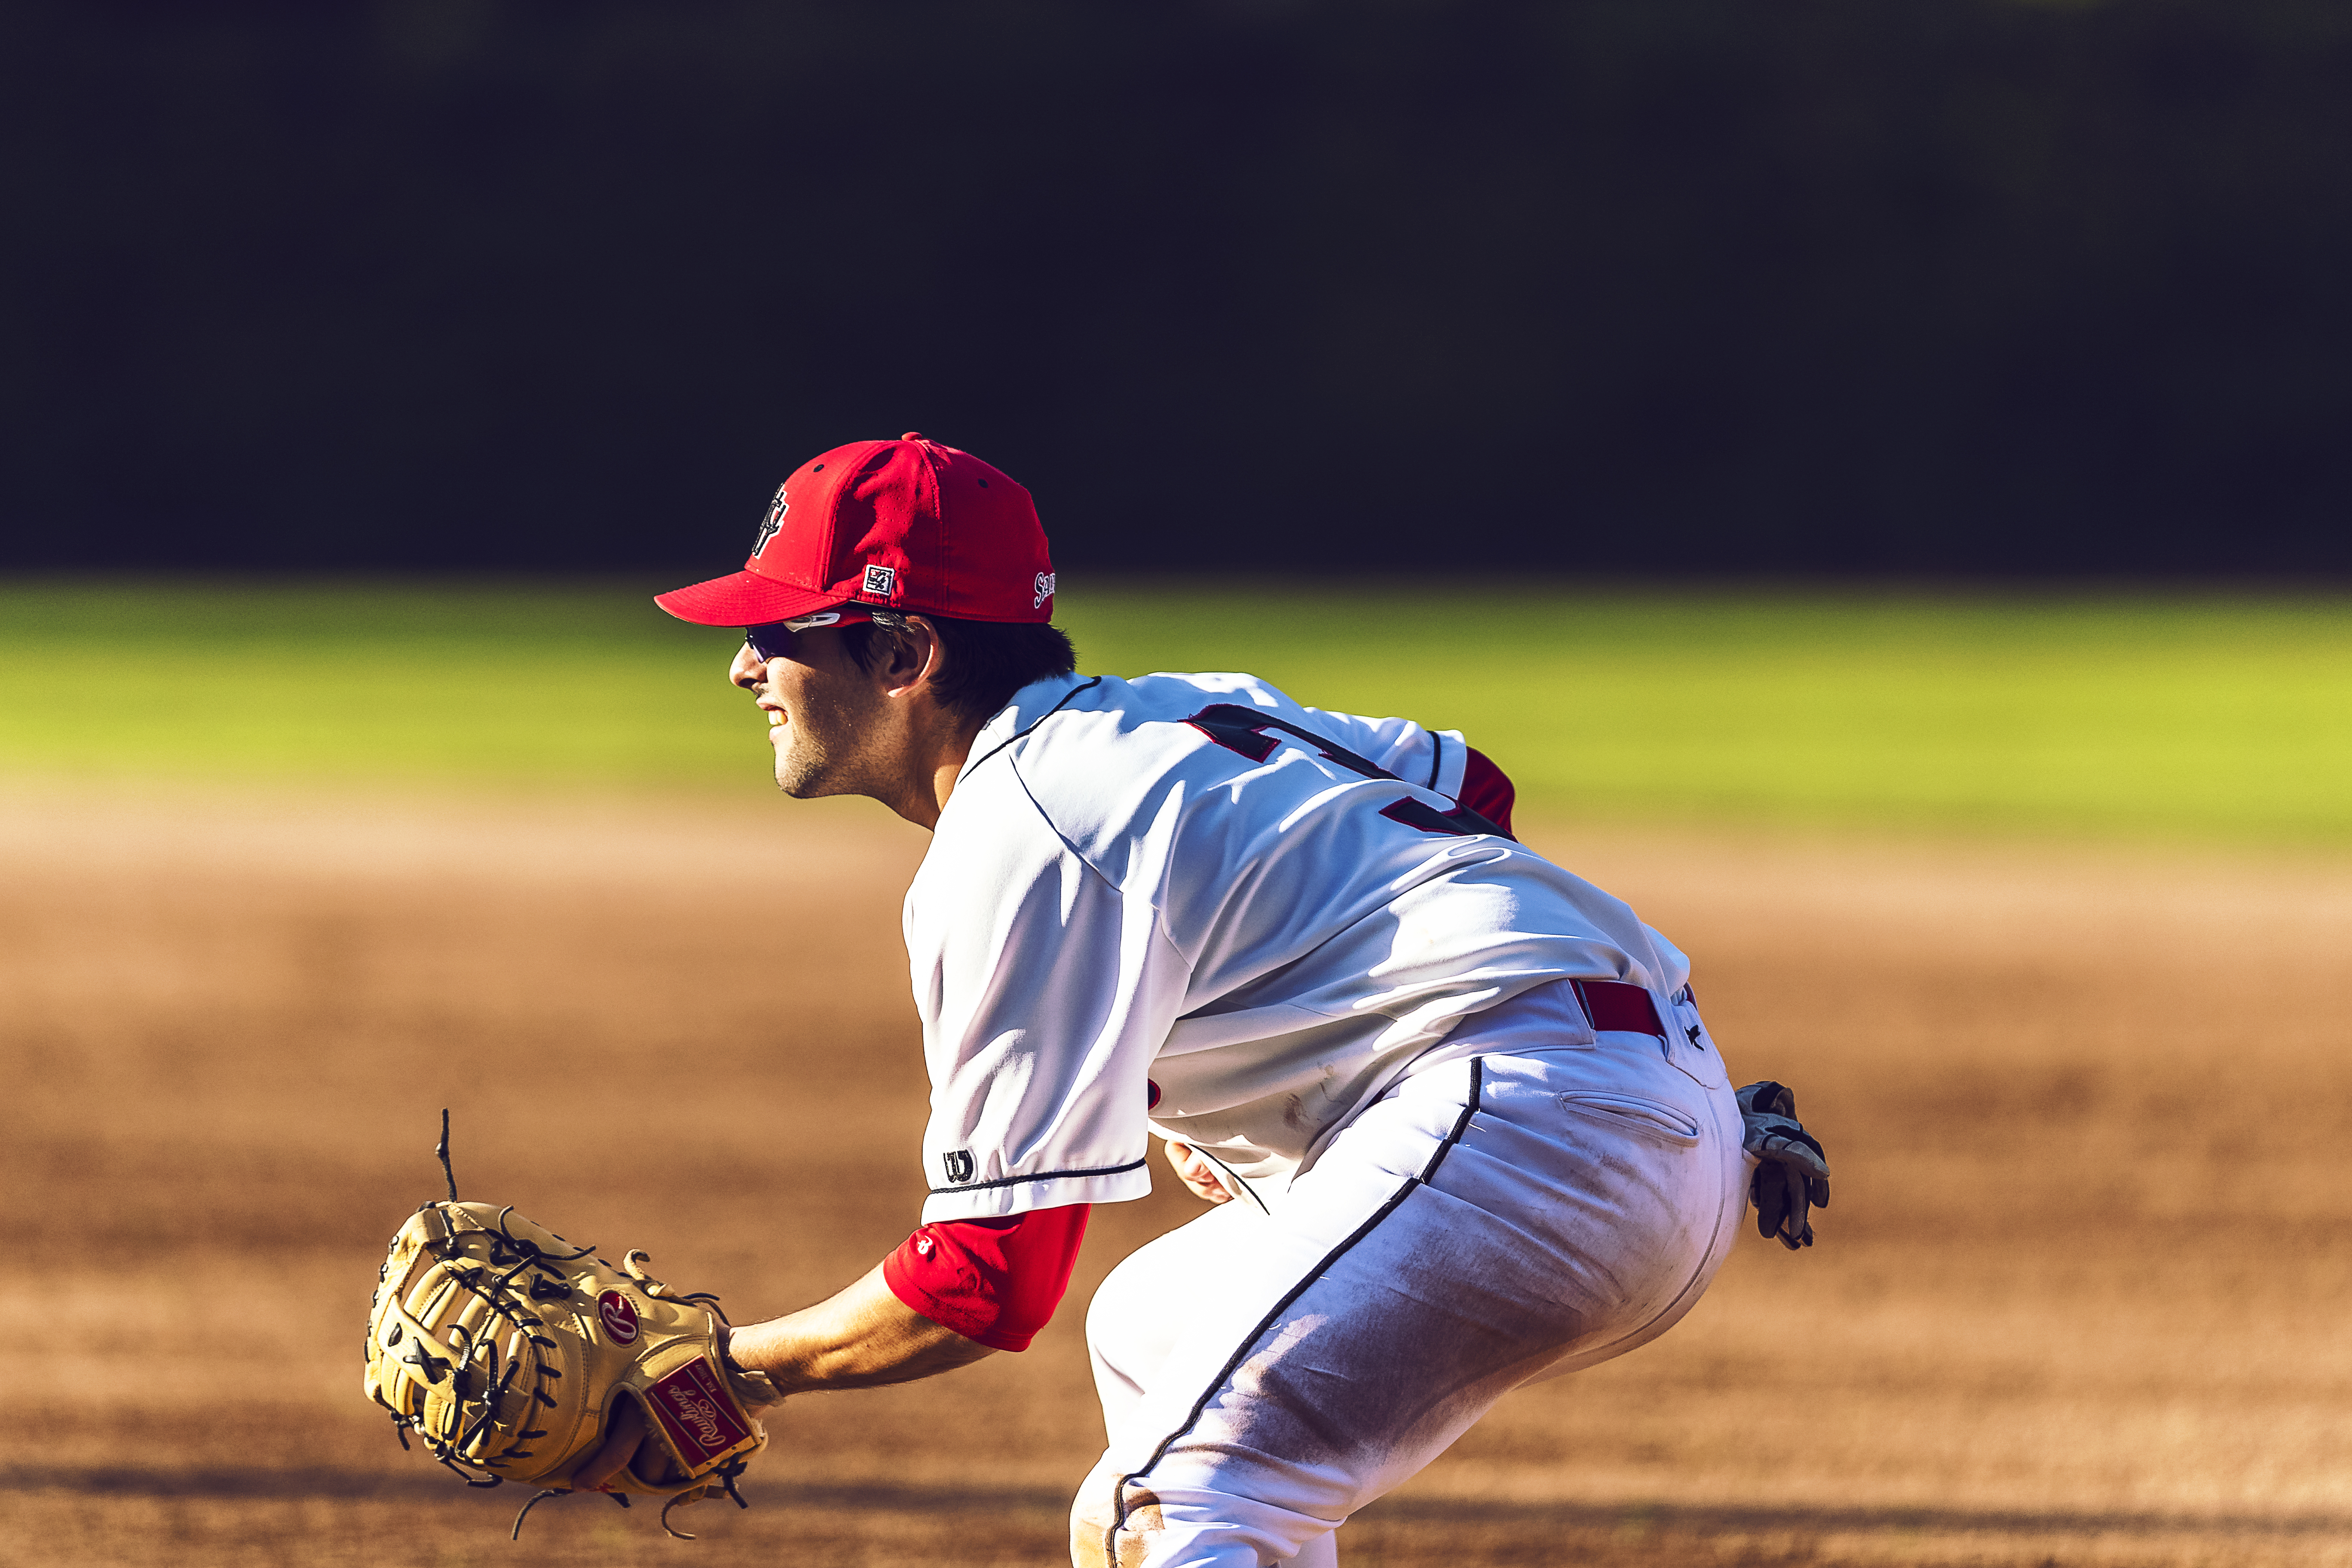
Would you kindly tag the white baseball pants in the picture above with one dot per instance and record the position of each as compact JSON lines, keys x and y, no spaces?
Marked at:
{"x":1488,"y":1223}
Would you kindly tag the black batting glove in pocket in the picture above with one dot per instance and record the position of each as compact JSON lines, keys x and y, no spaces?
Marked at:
{"x":1792,"y":1174}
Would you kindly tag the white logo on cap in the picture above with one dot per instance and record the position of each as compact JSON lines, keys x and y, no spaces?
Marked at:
{"x":880,"y":579}
{"x":773,"y":521}
{"x":1044,"y":590}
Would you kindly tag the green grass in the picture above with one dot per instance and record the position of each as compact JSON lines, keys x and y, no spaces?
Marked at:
{"x":2215,"y":719}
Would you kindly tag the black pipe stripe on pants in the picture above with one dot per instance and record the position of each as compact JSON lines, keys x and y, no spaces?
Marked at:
{"x":1273,"y":1315}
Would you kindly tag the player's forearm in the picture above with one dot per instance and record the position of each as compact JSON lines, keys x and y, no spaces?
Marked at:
{"x":865,"y":1337}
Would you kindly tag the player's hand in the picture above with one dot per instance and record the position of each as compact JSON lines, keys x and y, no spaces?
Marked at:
{"x":754,"y":1400}
{"x":1195,"y":1170}
{"x":630,"y":1443}
{"x":1792,"y":1176}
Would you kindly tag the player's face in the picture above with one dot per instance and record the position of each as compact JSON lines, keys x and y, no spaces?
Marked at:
{"x":826,"y":717}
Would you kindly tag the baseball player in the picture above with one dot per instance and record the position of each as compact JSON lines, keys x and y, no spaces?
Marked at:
{"x":1458,"y":1117}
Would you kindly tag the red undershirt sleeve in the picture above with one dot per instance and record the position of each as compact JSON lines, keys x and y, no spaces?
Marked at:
{"x":996,"y":1281}
{"x":1487,"y":790}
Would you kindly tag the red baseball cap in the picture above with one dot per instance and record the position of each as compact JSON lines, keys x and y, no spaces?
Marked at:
{"x":904,"y":525}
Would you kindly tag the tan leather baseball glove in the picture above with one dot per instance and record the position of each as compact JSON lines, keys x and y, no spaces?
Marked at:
{"x":508,"y":1351}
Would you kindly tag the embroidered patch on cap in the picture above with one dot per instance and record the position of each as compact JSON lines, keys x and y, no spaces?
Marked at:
{"x":881,"y":579}
{"x":773,"y":521}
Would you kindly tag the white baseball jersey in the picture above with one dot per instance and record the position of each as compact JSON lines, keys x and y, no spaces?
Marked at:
{"x":1192,"y":888}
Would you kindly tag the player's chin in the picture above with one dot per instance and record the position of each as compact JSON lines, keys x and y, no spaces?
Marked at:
{"x":808,"y":772}
{"x":794,"y":775}
{"x":797,"y":785}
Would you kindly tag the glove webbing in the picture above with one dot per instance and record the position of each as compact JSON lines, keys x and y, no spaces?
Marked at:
{"x":517,"y":1256}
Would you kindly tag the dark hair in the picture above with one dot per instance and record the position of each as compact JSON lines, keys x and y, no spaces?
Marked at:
{"x":988,"y":661}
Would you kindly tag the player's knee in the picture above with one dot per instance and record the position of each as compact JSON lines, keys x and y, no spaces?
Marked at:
{"x":1103,"y":1535}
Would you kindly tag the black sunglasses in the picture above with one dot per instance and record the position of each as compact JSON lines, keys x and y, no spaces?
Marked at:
{"x":775,"y":640}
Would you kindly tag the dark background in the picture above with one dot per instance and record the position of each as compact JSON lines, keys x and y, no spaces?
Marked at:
{"x":1277,"y":289}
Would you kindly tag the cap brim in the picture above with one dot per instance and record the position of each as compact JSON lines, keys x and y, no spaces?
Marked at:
{"x":744,"y":599}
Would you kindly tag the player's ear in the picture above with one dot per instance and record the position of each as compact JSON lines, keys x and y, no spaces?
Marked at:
{"x":918,"y":653}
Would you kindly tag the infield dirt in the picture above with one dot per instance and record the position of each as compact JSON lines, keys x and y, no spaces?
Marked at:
{"x":2081,"y":1299}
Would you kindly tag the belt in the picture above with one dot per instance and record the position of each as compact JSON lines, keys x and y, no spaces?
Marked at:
{"x":1611,"y":1004}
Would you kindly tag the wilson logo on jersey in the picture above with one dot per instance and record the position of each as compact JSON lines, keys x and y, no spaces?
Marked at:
{"x":774,"y":520}
{"x":959,"y":1164}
